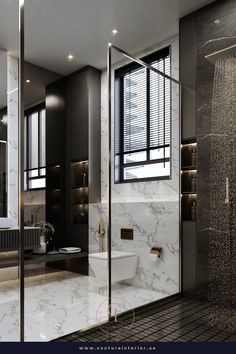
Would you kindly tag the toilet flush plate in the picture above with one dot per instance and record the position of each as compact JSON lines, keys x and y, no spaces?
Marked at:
{"x":127,"y":234}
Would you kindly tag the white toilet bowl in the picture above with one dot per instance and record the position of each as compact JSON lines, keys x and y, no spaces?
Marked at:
{"x":123,"y":265}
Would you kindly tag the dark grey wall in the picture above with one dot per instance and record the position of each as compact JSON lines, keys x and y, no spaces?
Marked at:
{"x":55,"y":158}
{"x":208,"y":30}
{"x":35,"y":92}
{"x":188,"y":75}
{"x":216,"y":29}
{"x":3,"y":126}
{"x":73,"y":135}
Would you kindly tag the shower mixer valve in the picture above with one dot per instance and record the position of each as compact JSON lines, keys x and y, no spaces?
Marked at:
{"x":101,"y":230}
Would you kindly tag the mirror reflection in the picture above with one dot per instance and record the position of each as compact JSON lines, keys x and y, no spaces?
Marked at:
{"x":36,"y":81}
{"x":3,"y":133}
{"x":9,"y":172}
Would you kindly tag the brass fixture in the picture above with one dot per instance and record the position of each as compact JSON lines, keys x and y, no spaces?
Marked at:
{"x":101,"y":230}
{"x":101,"y":233}
{"x":156,"y":251}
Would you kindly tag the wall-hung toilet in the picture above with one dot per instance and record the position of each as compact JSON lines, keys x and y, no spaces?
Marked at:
{"x":123,"y":265}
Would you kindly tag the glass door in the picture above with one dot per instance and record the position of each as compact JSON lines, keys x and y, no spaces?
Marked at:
{"x":65,"y":275}
{"x":107,"y":242}
{"x":9,"y":173}
{"x":144,"y":182}
{"x":216,"y":230}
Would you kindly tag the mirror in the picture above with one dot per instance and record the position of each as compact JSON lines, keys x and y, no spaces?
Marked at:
{"x":9,"y":171}
{"x":9,"y":54}
{"x":3,"y":133}
{"x":36,"y":81}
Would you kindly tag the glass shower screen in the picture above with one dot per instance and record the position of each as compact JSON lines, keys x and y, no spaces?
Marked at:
{"x":143,"y":195}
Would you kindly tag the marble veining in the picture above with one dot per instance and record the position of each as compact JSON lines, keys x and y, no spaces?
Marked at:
{"x":12,"y":137}
{"x":215,"y":31}
{"x":151,"y":209}
{"x":35,"y":206}
{"x":61,"y":303}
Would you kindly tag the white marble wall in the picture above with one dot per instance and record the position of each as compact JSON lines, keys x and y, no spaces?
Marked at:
{"x":151,"y":209}
{"x":12,"y":137}
{"x":35,"y":205}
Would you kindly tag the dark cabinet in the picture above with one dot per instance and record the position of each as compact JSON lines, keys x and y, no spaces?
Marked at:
{"x":55,"y":123}
{"x":77,"y":114}
{"x":188,"y":76}
{"x":188,"y":79}
{"x":82,"y":153}
{"x":73,"y":157}
{"x":189,"y":258}
{"x":55,"y":157}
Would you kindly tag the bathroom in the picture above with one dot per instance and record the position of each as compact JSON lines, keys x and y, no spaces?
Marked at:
{"x":103,"y":206}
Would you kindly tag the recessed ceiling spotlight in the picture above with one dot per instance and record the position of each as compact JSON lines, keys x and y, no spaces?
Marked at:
{"x":115,"y":31}
{"x":28,"y":81}
{"x":70,"y":57}
{"x":217,"y":21}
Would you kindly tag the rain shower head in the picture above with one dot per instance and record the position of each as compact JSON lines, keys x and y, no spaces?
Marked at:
{"x":216,"y":55}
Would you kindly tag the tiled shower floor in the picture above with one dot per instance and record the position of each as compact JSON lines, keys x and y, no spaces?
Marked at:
{"x":175,"y":319}
{"x":57,"y":304}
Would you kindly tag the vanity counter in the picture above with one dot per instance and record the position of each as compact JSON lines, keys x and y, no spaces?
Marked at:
{"x":9,"y":238}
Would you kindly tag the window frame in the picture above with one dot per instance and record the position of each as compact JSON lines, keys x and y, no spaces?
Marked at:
{"x":28,"y":112}
{"x":119,"y":75}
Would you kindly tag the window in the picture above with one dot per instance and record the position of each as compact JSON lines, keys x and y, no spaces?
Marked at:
{"x":142,"y":120}
{"x":35,"y":144}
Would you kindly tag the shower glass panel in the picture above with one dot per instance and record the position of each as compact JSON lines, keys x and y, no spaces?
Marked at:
{"x":66,"y":271}
{"x":145,"y":195}
{"x":87,"y":253}
{"x":220,"y":230}
{"x":9,"y":216}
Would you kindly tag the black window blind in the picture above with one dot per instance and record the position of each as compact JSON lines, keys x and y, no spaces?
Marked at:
{"x":142,"y":113}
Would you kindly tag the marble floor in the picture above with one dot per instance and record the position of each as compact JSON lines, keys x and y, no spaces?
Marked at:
{"x":58,"y":304}
{"x":175,"y":319}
